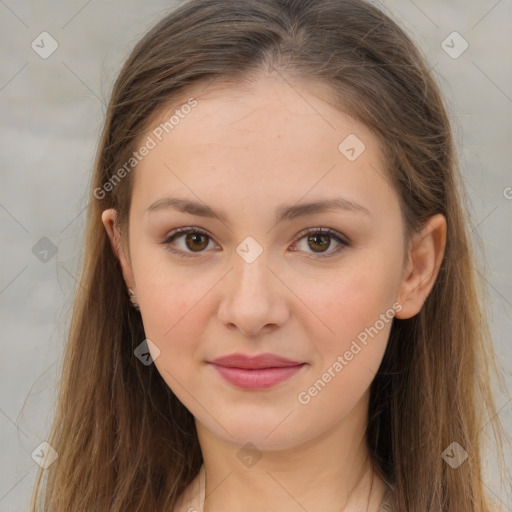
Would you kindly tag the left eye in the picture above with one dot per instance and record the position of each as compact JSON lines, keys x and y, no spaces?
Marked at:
{"x":197,"y":238}
{"x":320,"y":238}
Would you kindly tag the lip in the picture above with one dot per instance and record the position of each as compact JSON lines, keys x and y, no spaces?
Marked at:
{"x":266,"y":360}
{"x":256,"y":372}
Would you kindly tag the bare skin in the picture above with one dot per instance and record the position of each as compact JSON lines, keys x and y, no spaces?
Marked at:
{"x":246,"y":152}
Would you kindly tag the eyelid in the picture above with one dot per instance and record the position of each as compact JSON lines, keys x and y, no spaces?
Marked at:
{"x":340,"y":238}
{"x":332,"y":233}
{"x":184,"y":231}
{"x":324,"y":231}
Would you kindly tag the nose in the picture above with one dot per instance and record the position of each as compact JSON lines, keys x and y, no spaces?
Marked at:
{"x":254,"y":300}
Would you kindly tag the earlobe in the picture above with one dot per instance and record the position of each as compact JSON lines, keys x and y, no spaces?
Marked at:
{"x":109,"y":219}
{"x":423,"y":264}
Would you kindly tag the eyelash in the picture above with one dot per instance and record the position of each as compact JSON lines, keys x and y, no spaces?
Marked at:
{"x":322,"y":231}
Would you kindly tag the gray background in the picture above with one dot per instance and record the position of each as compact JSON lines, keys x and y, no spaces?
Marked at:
{"x":52,"y":110}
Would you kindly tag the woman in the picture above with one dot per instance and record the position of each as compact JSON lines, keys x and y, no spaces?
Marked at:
{"x":278,"y":307}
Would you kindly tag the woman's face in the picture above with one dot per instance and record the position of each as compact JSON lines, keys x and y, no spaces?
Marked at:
{"x":240,"y":166}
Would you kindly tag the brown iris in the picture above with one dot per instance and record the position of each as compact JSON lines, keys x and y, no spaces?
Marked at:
{"x":313,"y":239}
{"x":193,"y":242}
{"x":196,"y":237}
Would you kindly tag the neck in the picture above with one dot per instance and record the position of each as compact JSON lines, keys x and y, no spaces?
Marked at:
{"x":332,"y":472}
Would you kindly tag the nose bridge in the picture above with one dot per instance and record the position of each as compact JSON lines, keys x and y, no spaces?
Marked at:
{"x":252,"y":299}
{"x":251,"y":276}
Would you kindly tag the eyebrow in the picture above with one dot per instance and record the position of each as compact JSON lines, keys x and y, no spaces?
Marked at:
{"x":283,"y":213}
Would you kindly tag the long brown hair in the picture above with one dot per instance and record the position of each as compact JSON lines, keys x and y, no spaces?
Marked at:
{"x":124,"y":440}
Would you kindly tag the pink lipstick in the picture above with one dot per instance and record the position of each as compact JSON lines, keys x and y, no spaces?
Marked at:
{"x":255,"y":372}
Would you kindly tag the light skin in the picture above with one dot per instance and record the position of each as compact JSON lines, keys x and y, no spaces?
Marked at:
{"x":246,"y":152}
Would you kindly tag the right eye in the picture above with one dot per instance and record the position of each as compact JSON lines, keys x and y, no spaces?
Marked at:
{"x":193,"y":238}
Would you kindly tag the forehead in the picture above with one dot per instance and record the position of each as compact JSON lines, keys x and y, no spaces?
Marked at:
{"x":267,"y":138}
{"x":265,"y":105}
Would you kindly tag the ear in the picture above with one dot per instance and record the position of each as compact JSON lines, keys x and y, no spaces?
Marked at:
{"x":422,"y":267}
{"x":109,"y":219}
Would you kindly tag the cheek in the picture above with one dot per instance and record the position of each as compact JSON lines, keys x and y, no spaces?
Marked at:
{"x":356,"y":310}
{"x":173,"y":311}
{"x":352,"y":300}
{"x":172,"y":300}
{"x":175,"y":317}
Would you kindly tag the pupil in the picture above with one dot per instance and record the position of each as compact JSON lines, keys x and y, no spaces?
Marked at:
{"x":195,"y":237}
{"x":312,"y":239}
{"x":316,"y":237}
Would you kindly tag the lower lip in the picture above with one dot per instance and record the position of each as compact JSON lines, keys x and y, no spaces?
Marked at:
{"x":257,"y":379}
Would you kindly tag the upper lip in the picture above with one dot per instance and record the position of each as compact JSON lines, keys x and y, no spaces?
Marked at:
{"x":266,"y":360}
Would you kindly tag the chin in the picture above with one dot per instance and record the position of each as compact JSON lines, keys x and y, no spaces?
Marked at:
{"x":269,"y":433}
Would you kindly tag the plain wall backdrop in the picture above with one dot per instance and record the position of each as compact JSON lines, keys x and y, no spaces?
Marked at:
{"x":52,"y":100}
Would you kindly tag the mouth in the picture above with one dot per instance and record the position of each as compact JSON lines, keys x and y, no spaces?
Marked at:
{"x":256,"y":372}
